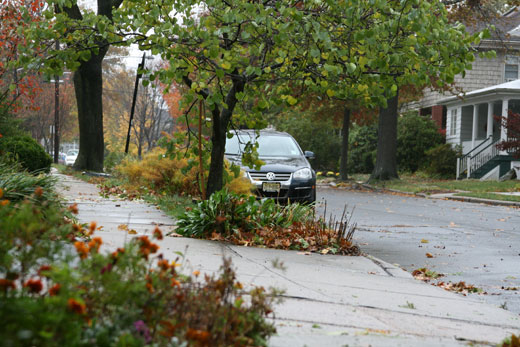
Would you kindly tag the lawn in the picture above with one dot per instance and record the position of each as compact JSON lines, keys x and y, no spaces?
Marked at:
{"x":415,"y":184}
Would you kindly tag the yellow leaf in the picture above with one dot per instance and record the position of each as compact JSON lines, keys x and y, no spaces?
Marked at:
{"x":132,"y":232}
{"x":429,"y":255}
{"x":330,"y":93}
{"x":424,"y":241}
{"x":291,"y":100}
{"x":226,"y":65}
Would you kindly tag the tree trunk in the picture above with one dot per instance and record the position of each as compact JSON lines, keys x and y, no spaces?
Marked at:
{"x":344,"y":145}
{"x":386,"y":161}
{"x":216,"y":168}
{"x":88,"y":85}
{"x":221,"y":122}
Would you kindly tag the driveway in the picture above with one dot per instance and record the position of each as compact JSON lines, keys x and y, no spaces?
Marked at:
{"x":475,"y":243}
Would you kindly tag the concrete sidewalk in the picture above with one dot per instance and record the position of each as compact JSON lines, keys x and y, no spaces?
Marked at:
{"x":329,"y":300}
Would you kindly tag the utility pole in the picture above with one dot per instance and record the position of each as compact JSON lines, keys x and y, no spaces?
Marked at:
{"x":137,"y":78}
{"x":57,"y":114}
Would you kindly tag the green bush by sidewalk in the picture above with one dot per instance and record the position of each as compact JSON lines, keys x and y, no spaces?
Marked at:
{"x":415,"y":135}
{"x":440,"y":162}
{"x":25,"y":150}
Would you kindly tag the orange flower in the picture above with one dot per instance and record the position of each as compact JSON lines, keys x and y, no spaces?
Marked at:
{"x":4,"y":202}
{"x":74,"y":208}
{"x":196,"y":273}
{"x":198,"y":335}
{"x":163,"y":264}
{"x":34,"y":285}
{"x":175,"y":283}
{"x":38,"y":191}
{"x":76,"y":306}
{"x":55,"y":289}
{"x":146,"y":247}
{"x":1,"y":192}
{"x":6,"y":284}
{"x":82,"y":249}
{"x":94,"y":244}
{"x":157,"y":233}
{"x":92,"y":228}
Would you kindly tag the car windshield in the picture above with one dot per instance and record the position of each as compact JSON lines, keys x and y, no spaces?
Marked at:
{"x":268,"y":145}
{"x":72,"y":153}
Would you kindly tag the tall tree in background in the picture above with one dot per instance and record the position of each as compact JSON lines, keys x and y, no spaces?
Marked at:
{"x":151,"y":114}
{"x":84,"y":37}
{"x":38,"y":121}
{"x":18,"y":85}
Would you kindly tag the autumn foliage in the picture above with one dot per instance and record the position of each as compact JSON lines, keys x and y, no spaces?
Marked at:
{"x":58,"y":286}
{"x":18,"y":87}
{"x":512,"y":124}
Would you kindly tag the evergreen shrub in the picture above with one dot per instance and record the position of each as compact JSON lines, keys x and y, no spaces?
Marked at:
{"x":25,"y":150}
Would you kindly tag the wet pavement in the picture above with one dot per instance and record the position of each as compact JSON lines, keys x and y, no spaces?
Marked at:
{"x":328,"y":300}
{"x":475,"y":243}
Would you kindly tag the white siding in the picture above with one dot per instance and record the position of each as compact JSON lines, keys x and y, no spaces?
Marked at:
{"x":485,"y":73}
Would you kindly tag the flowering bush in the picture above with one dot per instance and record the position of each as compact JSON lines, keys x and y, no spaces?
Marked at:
{"x":57,"y":287}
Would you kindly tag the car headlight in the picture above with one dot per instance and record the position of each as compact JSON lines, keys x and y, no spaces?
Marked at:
{"x":303,"y":174}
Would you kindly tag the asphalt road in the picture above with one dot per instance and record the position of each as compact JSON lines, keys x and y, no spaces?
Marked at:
{"x":475,"y":243}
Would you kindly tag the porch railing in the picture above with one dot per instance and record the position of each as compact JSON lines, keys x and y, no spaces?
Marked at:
{"x":477,"y":157}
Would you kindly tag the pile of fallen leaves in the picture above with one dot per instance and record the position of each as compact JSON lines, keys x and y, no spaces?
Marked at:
{"x":459,"y":287}
{"x":244,"y":220}
{"x":309,"y":237}
{"x":425,"y":275}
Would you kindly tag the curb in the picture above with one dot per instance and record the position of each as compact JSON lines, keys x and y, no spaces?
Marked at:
{"x":425,"y":196}
{"x":484,"y":201}
{"x":390,"y":269}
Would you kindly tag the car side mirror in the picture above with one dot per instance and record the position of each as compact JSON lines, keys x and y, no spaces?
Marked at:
{"x":309,"y":155}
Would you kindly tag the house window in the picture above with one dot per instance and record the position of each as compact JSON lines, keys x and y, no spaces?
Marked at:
{"x":511,"y":72}
{"x":453,"y":123}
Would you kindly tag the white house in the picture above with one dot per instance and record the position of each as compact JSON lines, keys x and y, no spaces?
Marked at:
{"x":470,"y":124}
{"x":486,"y":72}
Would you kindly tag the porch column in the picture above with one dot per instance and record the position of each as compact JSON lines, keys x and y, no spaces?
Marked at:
{"x":475,"y":126}
{"x":503,"y":130}
{"x":489,"y":128}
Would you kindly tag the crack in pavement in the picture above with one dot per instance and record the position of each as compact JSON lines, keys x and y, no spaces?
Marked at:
{"x":396,"y":333}
{"x":274,"y":272}
{"x":374,"y":308}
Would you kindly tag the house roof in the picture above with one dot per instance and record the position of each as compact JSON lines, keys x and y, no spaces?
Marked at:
{"x":507,"y":26}
{"x":504,"y":89}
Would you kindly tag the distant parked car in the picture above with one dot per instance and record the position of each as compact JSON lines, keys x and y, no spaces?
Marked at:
{"x":286,"y":174}
{"x":71,"y":157}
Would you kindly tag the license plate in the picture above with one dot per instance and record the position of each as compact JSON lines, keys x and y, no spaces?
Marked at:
{"x":271,"y":187}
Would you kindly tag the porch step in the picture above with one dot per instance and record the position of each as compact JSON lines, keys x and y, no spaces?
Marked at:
{"x":500,"y":160}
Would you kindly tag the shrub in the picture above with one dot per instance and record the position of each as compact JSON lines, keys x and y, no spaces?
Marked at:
{"x":25,"y":150}
{"x":18,"y":185}
{"x":244,"y":220}
{"x":415,"y":135}
{"x":157,"y":174}
{"x":440,"y":161}
{"x":362,"y":149}
{"x":228,"y":213}
{"x":57,"y":290}
{"x":112,"y":160}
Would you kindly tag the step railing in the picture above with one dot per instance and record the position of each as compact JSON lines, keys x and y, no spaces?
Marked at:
{"x":477,"y":157}
{"x":462,"y":163}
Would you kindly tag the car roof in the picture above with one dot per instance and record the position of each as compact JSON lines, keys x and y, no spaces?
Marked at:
{"x":262,"y":132}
